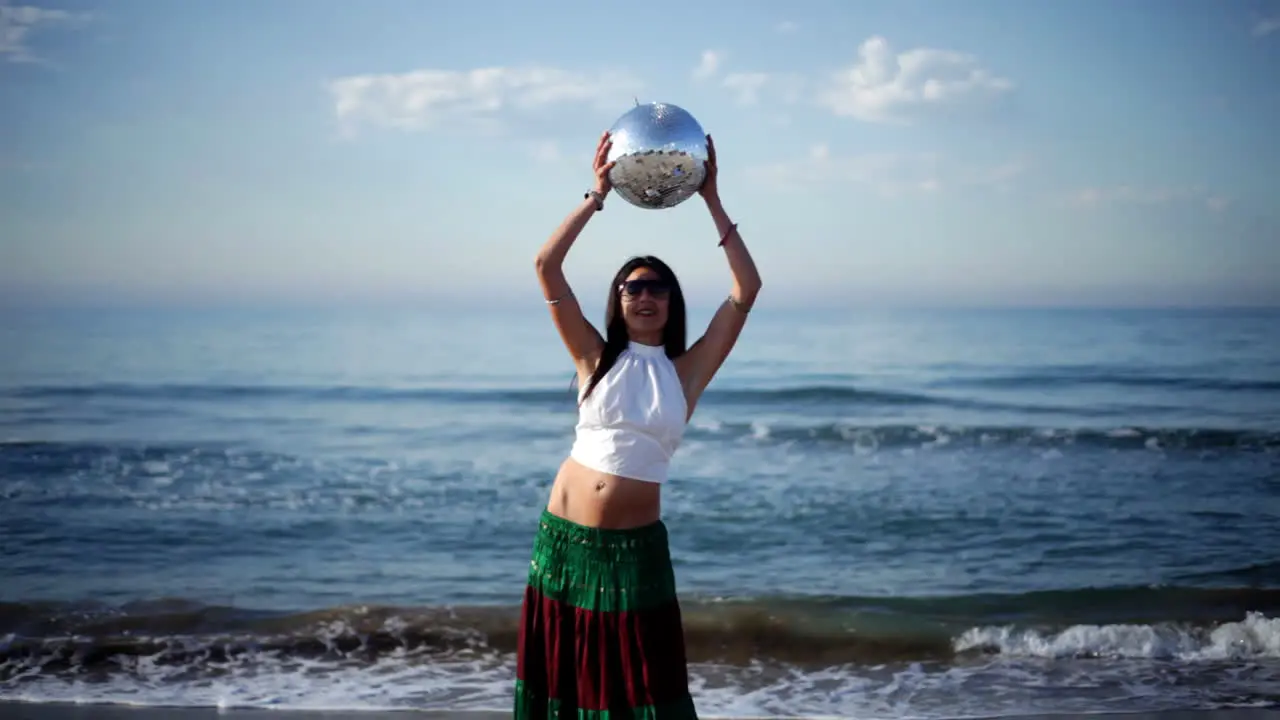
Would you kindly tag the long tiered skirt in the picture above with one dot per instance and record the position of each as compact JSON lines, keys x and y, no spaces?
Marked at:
{"x":601,"y":637}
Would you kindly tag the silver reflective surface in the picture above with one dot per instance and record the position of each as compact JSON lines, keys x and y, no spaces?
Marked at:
{"x":661,"y":156}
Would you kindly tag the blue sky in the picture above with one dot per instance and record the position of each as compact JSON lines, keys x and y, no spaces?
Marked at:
{"x":882,"y":153}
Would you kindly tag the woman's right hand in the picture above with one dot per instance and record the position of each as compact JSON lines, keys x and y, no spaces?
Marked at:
{"x":601,"y":166}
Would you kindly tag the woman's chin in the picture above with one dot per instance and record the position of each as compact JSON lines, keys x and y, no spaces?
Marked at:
{"x":644,"y":325}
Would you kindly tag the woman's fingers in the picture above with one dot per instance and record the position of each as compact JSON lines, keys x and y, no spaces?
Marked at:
{"x":602,"y":148}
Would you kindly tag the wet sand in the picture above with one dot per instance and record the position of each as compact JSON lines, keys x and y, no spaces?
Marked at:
{"x":24,"y":711}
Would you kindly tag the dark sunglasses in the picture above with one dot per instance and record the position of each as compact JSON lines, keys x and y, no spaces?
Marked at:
{"x":656,"y":288}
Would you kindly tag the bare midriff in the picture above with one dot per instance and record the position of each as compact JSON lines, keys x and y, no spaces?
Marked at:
{"x":593,"y":498}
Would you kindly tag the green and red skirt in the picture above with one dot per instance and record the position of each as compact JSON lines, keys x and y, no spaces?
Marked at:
{"x":601,"y":637}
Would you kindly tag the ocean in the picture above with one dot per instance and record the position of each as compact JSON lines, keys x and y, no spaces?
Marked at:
{"x":875,"y":514}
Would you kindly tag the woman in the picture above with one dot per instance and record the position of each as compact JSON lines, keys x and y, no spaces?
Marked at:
{"x":600,"y":626}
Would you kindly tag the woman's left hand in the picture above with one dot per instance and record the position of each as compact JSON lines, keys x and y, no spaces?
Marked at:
{"x":709,"y":190}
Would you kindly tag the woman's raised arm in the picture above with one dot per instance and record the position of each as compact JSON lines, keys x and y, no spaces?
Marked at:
{"x":581,"y":338}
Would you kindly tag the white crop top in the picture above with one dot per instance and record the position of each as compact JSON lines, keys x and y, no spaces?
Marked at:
{"x":634,"y":419}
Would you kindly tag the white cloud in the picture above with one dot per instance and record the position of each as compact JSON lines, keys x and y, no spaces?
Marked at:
{"x":1096,"y":197}
{"x":478,"y":98}
{"x":546,"y":151}
{"x":787,"y":27}
{"x":885,"y":174}
{"x":884,"y":87}
{"x":1000,"y":177}
{"x":1266,"y":26}
{"x":18,"y":23}
{"x":748,"y":87}
{"x":708,"y":65}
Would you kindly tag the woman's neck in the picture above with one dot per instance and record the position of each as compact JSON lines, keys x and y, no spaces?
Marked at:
{"x":650,"y":338}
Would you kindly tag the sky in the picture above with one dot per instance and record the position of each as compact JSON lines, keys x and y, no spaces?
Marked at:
{"x":893,"y":152}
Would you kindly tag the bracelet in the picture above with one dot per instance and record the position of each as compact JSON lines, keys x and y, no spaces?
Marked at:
{"x":595,"y":196}
{"x":556,"y":301}
{"x":741,"y":306}
{"x":725,"y":237}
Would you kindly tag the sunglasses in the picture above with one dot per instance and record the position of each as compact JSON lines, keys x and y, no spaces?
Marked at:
{"x":656,"y":288}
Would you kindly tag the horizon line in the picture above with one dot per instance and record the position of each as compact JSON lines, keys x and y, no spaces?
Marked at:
{"x":461,"y":305}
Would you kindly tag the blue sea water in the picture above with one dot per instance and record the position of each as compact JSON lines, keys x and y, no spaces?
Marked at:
{"x":874,"y":513}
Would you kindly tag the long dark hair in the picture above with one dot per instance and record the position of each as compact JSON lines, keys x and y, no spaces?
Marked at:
{"x":616,"y":338}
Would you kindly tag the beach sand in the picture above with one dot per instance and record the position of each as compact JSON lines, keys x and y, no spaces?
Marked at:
{"x":51,"y":711}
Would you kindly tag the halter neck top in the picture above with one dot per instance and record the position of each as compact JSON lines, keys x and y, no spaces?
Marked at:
{"x":634,"y":419}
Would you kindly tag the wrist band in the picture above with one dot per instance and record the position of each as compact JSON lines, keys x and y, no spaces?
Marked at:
{"x":597,"y":197}
{"x":725,"y":237}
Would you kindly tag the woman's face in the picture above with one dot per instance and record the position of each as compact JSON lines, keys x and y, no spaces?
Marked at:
{"x":645,"y":299}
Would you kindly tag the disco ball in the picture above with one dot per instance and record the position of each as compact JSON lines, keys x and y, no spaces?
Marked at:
{"x":660,"y":153}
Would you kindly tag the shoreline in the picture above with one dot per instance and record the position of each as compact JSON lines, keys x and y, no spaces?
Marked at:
{"x":19,"y":710}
